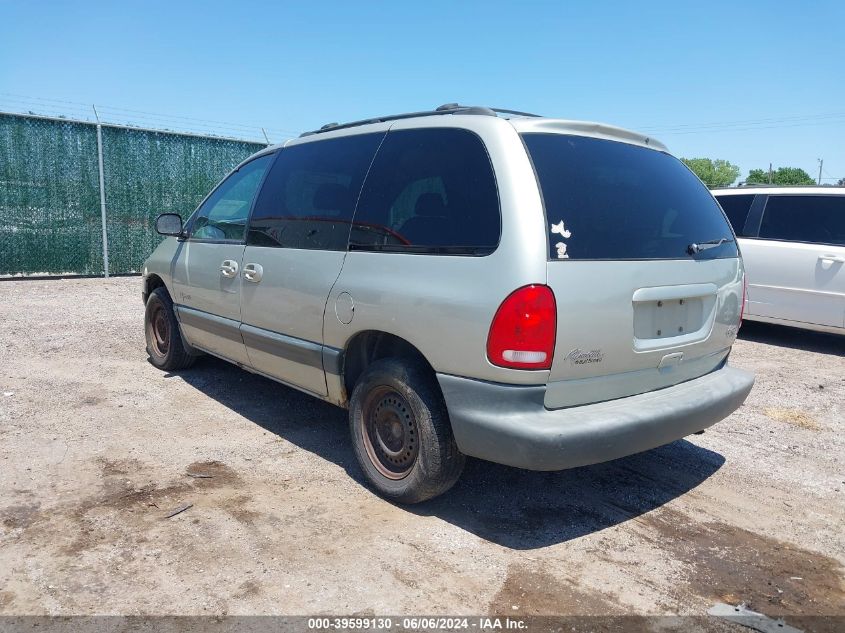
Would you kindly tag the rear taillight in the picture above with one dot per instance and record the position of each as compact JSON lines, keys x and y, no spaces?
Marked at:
{"x":742,"y":304}
{"x":522,"y":335}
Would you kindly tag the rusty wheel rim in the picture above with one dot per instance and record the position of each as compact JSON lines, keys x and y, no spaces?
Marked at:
{"x":390,"y":433}
{"x":159,"y":331}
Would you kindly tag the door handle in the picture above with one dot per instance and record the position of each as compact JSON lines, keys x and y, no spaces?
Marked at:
{"x":832,"y":258}
{"x":229,"y":268}
{"x":253,"y":272}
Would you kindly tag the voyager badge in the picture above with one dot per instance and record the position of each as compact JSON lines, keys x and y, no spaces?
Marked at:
{"x":580,"y":357}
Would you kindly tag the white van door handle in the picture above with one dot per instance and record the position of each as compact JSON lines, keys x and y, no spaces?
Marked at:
{"x":253,"y":272}
{"x":832,"y":258}
{"x":229,"y":268}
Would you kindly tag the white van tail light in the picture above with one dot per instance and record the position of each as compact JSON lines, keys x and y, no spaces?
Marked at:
{"x":522,"y":335}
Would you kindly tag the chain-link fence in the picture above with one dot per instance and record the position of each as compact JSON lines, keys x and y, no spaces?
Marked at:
{"x":50,"y":207}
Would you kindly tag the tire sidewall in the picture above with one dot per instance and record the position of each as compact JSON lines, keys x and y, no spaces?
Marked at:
{"x":424,"y":404}
{"x":159,"y":298}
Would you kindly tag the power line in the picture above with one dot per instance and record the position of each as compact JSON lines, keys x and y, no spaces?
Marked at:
{"x":828,"y":175}
{"x":744,"y":122}
{"x":749,"y":129}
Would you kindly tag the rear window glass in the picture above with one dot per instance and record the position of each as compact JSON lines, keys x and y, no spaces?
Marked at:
{"x":429,"y":191}
{"x":816,"y":219}
{"x":611,"y":200}
{"x":737,"y":208}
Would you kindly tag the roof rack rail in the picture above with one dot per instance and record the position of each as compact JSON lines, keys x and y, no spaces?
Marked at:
{"x":447,"y":108}
{"x":516,"y":112}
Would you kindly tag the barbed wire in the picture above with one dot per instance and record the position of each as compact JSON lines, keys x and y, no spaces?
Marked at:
{"x":127,"y":116}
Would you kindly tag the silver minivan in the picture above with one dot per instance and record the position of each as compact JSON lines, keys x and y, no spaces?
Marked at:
{"x":466,"y":281}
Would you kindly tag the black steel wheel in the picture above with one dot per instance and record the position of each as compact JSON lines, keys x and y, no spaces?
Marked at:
{"x":390,"y":433}
{"x":159,"y":330}
{"x":401,"y":432}
{"x":165,"y":346}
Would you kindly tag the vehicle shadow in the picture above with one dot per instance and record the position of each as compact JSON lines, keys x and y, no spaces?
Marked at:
{"x":514,"y":508}
{"x":793,"y":338}
{"x":522,"y":509}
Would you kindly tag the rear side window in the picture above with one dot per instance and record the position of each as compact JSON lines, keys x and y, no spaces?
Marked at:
{"x":309,"y":196}
{"x":737,"y":208}
{"x":429,"y":191}
{"x":817,"y":219}
{"x":611,"y":200}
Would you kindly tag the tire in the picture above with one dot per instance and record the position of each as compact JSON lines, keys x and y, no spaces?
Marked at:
{"x":165,"y":346}
{"x":401,"y":432}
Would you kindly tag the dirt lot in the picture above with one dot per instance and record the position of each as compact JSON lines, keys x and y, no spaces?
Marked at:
{"x":97,"y":446}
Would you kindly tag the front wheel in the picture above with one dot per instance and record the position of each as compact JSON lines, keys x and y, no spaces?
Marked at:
{"x":164,"y":340}
{"x":401,"y":432}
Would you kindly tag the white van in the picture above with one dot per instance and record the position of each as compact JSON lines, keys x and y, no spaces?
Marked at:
{"x":793,"y":244}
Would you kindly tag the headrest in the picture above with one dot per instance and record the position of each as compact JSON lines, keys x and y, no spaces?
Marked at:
{"x":429,"y":205}
{"x":331,"y":196}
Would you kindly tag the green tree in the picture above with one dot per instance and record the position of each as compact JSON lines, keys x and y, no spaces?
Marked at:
{"x":713,"y":173}
{"x":780,"y":176}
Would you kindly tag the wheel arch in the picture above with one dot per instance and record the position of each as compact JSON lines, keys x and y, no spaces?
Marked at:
{"x":151,"y":282}
{"x":368,"y":346}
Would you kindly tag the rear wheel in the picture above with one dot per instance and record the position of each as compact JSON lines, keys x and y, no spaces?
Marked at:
{"x":165,"y":346}
{"x":401,"y":432}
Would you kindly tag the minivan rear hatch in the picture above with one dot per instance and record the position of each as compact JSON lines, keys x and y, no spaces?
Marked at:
{"x":643,"y":264}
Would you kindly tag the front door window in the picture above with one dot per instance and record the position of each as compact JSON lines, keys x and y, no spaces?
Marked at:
{"x":223,"y":215}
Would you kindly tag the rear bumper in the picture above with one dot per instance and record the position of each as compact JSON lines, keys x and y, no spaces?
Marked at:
{"x":508,"y":424}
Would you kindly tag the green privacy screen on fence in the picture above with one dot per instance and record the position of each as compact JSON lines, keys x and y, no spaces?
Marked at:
{"x":49,"y":197}
{"x":50,"y":217}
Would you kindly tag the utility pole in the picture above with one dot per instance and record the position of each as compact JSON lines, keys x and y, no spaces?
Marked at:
{"x":821,"y":163}
{"x":770,"y":173}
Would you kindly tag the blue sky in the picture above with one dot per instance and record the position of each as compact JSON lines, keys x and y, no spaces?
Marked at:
{"x":752,"y":82}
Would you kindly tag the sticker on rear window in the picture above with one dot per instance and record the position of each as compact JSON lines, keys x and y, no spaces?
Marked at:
{"x":561,"y":250}
{"x":561,"y":230}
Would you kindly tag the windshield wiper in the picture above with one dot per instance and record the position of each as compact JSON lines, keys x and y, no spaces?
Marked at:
{"x":697,"y":247}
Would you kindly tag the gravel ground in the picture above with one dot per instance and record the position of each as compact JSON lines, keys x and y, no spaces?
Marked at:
{"x":97,"y":447}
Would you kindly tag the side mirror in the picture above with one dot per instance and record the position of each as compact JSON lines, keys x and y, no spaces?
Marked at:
{"x":169,"y":224}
